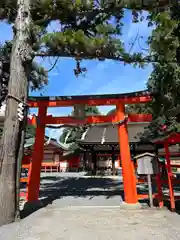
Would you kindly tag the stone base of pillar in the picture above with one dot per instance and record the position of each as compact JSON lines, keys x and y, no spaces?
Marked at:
{"x":31,"y":207}
{"x":131,"y":206}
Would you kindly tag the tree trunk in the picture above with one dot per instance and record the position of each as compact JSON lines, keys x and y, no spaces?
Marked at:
{"x":18,"y":172}
{"x":12,"y":133}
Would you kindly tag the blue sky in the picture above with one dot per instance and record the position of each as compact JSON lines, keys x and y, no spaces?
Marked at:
{"x":102,"y":77}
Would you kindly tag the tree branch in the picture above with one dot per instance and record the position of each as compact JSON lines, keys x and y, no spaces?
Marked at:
{"x":125,"y":59}
{"x":84,"y":56}
{"x":43,"y":8}
{"x":54,"y":64}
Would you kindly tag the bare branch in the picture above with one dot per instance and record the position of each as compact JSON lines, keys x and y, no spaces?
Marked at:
{"x":134,"y":42}
{"x":144,"y":49}
{"x":53,"y":66}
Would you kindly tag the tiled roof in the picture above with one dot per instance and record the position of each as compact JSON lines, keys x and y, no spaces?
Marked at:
{"x":109,"y":134}
{"x":172,"y":149}
{"x":65,"y":147}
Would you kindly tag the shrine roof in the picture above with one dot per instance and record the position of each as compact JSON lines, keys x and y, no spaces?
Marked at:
{"x":109,"y":134}
{"x":171,"y":138}
{"x":66,"y":147}
{"x":173,"y":149}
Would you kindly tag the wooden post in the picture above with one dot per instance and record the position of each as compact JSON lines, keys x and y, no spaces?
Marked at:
{"x":84,"y":161}
{"x":94,"y":160}
{"x":158,"y":181}
{"x":113,"y":162}
{"x":37,"y":157}
{"x":159,"y":188}
{"x":150,"y":190}
{"x":169,"y":173}
{"x":129,"y":179}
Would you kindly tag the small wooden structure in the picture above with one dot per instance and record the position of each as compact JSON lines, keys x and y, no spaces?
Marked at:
{"x":56,"y":156}
{"x":147,"y":164}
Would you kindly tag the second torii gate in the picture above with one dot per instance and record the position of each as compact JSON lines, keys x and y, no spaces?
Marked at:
{"x":119,"y":100}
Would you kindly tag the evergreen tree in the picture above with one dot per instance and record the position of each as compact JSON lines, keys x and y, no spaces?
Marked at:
{"x":86,"y":31}
{"x":164,"y":81}
{"x":38,"y":75}
{"x":135,"y":109}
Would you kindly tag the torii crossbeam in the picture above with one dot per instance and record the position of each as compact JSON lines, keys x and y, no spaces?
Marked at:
{"x":119,"y":100}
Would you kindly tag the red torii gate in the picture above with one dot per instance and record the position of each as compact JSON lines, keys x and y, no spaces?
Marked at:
{"x":119,"y":100}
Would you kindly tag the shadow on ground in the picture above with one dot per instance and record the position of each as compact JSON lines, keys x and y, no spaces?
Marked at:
{"x":57,"y":187}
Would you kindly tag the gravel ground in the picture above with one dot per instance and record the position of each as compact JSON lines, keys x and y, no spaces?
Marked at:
{"x":75,"y":189}
{"x":81,"y":207}
{"x":78,"y":223}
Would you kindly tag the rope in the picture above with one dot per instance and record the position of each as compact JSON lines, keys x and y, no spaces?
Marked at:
{"x":17,"y":99}
{"x":62,"y":126}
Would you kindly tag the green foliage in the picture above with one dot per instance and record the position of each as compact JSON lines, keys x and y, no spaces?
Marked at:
{"x":38,"y":75}
{"x":84,"y":30}
{"x":1,"y":131}
{"x":139,"y":108}
{"x":164,"y":81}
{"x":135,"y":109}
{"x":92,"y":30}
{"x":30,"y":131}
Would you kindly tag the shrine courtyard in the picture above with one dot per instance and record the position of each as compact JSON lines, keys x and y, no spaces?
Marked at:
{"x":83,"y":207}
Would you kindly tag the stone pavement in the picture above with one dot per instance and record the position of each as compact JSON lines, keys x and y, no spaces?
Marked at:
{"x":97,"y":223}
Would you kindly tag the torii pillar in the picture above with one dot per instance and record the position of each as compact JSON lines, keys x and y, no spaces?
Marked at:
{"x":129,"y":179}
{"x":37,"y":157}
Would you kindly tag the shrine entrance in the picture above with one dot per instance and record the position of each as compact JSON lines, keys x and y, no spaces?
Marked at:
{"x":120,"y":119}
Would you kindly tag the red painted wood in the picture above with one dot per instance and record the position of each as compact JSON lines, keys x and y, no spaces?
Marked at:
{"x":169,"y":171}
{"x":26,"y":159}
{"x":37,"y":157}
{"x":172,"y":139}
{"x":90,"y":102}
{"x":129,"y":180}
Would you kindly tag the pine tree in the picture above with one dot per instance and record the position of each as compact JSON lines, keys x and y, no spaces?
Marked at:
{"x":86,"y":32}
{"x":164,"y":83}
{"x":38,"y":75}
